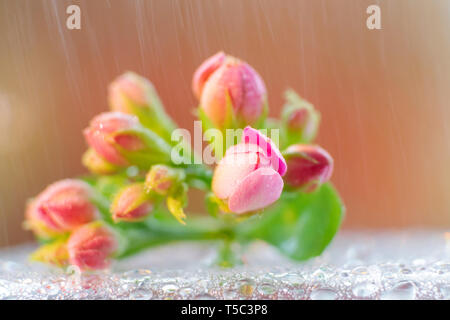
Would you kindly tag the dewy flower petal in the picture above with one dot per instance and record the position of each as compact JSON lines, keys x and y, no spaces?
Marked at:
{"x":256,"y":191}
{"x":205,"y":70}
{"x":253,"y":136}
{"x":231,"y":170}
{"x":103,"y":135}
{"x":60,"y":208}
{"x":91,"y":246}
{"x":131,"y":204}
{"x":309,"y":166}
{"x":246,"y":178}
{"x":221,"y":81}
{"x":128,"y":86}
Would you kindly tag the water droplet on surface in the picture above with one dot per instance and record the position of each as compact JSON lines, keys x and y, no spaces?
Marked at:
{"x":141,"y":294}
{"x":406,"y":271}
{"x":364,"y":290}
{"x":404,"y":290}
{"x":360,"y":271}
{"x":246,"y":290}
{"x":293,"y":279}
{"x":419,"y":262}
{"x":345,"y":274}
{"x":323,"y":294}
{"x":134,"y":275}
{"x":445,"y":292}
{"x":441,"y":267}
{"x":301,"y":293}
{"x":186,"y":292}
{"x":170,"y":288}
{"x":5,"y":287}
{"x":266,"y":289}
{"x":205,"y":297}
{"x":230,"y":294}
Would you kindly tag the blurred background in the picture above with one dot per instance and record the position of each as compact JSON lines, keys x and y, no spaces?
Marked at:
{"x":383,"y":94}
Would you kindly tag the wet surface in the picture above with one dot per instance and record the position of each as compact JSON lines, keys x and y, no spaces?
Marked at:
{"x":358,"y":265}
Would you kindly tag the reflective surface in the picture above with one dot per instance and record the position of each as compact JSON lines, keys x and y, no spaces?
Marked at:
{"x":358,"y":265}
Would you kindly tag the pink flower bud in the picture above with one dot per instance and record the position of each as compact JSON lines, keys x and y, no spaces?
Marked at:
{"x":133,"y":94}
{"x":204,"y":72}
{"x":60,"y":208}
{"x":162,"y":179}
{"x":246,"y":179}
{"x":222,"y":79}
{"x":128,"y":87}
{"x":300,"y":119}
{"x":105,"y":135}
{"x":253,"y":136}
{"x":132,"y":204}
{"x":91,"y":246}
{"x":308,"y":167}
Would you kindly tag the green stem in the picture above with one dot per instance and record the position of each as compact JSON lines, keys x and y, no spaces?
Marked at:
{"x":156,"y":232}
{"x":227,"y":255}
{"x":199,"y":176}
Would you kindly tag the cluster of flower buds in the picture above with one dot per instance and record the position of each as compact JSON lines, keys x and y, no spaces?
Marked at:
{"x":63,"y":214}
{"x":136,"y":202}
{"x":136,"y":134}
{"x":248,"y":178}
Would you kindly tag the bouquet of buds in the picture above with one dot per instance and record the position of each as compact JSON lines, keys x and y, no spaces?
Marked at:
{"x":142,"y":168}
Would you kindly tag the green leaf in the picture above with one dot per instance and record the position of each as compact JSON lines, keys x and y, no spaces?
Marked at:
{"x":300,"y":225}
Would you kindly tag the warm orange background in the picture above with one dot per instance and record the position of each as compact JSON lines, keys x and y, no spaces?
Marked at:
{"x":384,"y":94}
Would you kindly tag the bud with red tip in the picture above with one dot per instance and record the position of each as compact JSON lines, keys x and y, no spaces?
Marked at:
{"x":248,"y":178}
{"x":133,"y":94}
{"x":300,"y":119}
{"x":231,"y":92}
{"x":169,"y":182}
{"x":60,"y":208}
{"x":205,"y":70}
{"x":163,"y":179}
{"x":132,"y":204}
{"x":308,"y":167}
{"x":91,"y":246}
{"x":121,"y":140}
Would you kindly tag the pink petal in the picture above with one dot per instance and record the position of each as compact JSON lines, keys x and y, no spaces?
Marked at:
{"x":204,"y":72}
{"x":258,"y":190}
{"x":226,"y":80}
{"x":254,"y":94}
{"x":243,"y":148}
{"x":231,"y":170}
{"x":253,"y":136}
